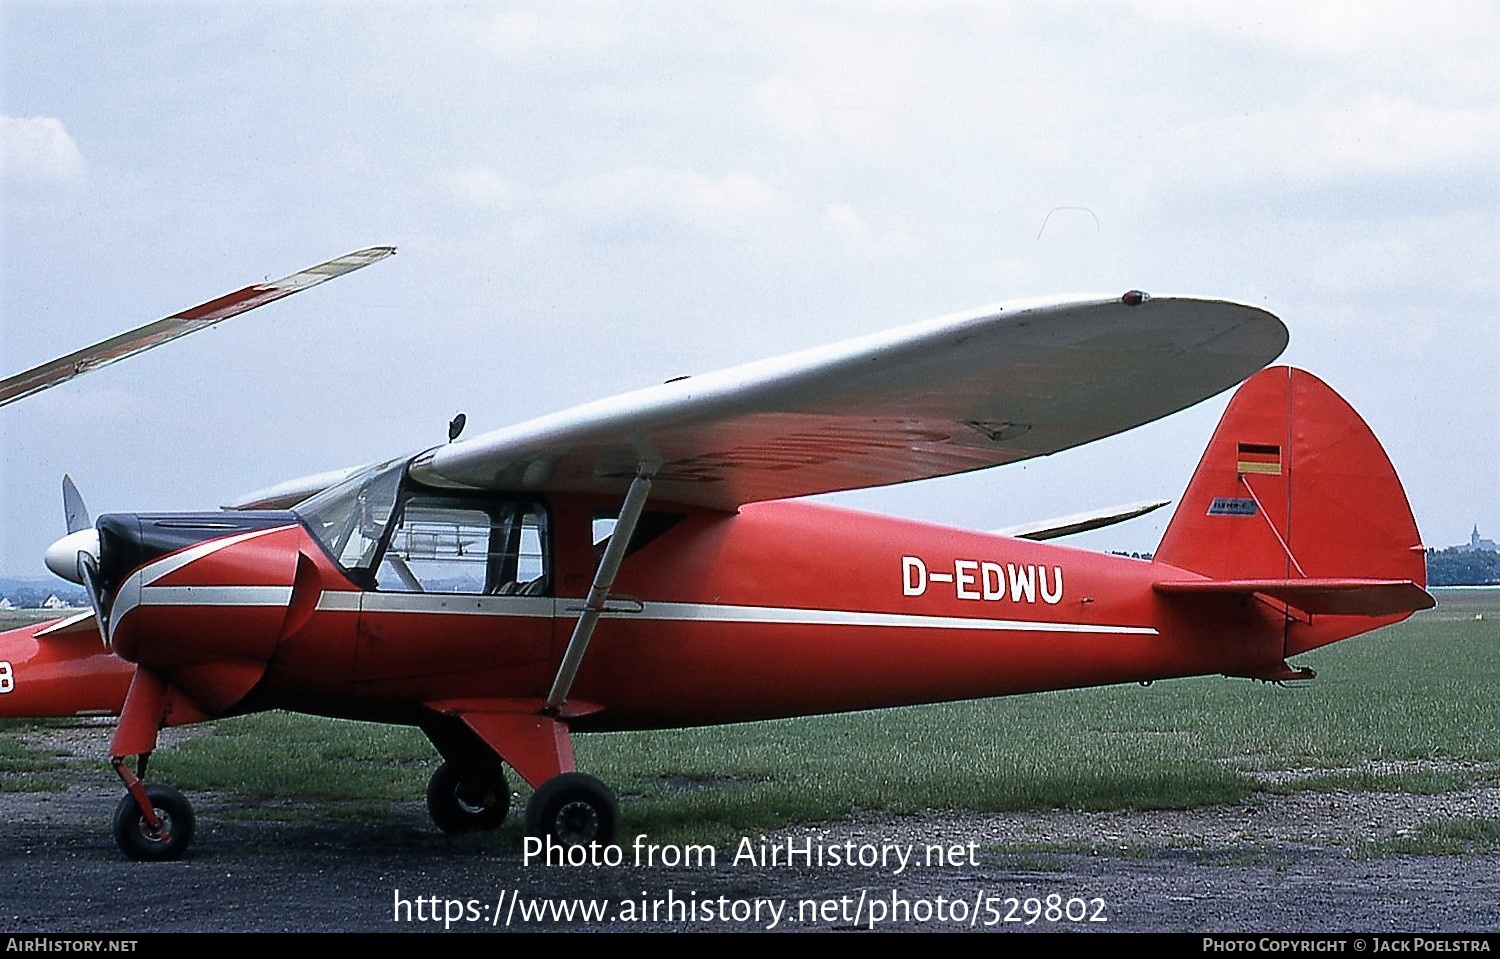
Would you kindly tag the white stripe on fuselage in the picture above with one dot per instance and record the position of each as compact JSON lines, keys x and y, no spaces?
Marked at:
{"x":695,"y":612}
{"x":450,"y":604}
{"x":540,"y":607}
{"x":216,"y":595}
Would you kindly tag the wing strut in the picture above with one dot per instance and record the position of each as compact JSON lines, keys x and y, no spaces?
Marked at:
{"x":604,"y":578}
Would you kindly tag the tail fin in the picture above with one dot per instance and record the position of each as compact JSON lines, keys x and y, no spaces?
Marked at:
{"x":1296,"y":501}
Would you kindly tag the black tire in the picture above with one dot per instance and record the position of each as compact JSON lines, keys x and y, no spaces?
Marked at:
{"x":139,"y":841}
{"x":574,"y":809}
{"x":468,"y":800}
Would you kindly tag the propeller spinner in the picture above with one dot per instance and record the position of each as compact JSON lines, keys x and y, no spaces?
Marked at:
{"x":75,"y":557}
{"x":65,"y":557}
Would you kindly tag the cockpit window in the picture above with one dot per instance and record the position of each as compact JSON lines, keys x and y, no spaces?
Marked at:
{"x":466,"y":544}
{"x":652,"y":524}
{"x":350,"y":519}
{"x":437,"y":547}
{"x":414,"y":539}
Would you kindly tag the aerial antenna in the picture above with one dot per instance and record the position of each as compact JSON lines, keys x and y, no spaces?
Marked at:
{"x":456,"y":426}
{"x":1082,"y":209}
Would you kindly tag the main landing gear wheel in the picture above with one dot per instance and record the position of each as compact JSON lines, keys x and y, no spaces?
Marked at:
{"x":136,"y":837}
{"x":467,"y":800}
{"x":573,"y":809}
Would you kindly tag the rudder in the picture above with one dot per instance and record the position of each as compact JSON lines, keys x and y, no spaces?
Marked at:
{"x":1295,"y":499}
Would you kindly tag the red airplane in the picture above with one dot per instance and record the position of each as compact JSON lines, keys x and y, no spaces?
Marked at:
{"x":644,"y":562}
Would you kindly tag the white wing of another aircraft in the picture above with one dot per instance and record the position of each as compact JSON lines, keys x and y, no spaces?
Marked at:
{"x":963,"y":392}
{"x":1056,"y":527}
{"x":191,"y":320}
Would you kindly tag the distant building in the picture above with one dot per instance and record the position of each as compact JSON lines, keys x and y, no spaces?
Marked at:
{"x":1476,"y":544}
{"x":5,"y":603}
{"x":54,"y":603}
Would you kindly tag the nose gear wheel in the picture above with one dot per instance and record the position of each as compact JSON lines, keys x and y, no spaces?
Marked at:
{"x":141,"y":841}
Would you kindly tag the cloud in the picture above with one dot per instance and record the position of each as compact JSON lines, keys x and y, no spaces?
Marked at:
{"x":684,"y":196}
{"x":512,"y":30}
{"x":1374,"y":135}
{"x":844,"y":80}
{"x":1384,"y":29}
{"x":524,"y":32}
{"x":38,"y":150}
{"x":478,"y":187}
{"x":86,"y":405}
{"x":788,"y":108}
{"x":845,"y":221}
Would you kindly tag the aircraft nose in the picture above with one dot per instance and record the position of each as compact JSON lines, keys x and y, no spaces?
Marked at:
{"x":62,"y":556}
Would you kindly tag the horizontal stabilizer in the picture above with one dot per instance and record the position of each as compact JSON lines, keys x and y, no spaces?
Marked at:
{"x":1335,"y":597}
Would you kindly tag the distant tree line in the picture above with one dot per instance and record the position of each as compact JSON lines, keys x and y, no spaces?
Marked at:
{"x":1459,"y":566}
{"x":28,"y":594}
{"x":1463,"y":567}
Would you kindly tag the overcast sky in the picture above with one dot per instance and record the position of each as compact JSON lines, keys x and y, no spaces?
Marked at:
{"x":591,"y":197}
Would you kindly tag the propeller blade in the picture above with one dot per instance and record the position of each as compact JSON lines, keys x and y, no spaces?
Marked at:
{"x":65,"y":557}
{"x":74,"y":512}
{"x":88,"y":571}
{"x":78,"y":552}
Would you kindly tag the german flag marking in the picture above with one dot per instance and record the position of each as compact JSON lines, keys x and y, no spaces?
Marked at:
{"x":1259,"y":458}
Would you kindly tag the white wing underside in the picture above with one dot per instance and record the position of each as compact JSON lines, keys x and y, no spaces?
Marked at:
{"x":151,"y":335}
{"x":964,"y":392}
{"x":1044,"y":529}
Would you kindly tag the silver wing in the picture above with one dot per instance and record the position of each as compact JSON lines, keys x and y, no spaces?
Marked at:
{"x":998,"y":385}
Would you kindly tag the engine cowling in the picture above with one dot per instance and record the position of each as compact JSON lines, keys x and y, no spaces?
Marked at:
{"x":200,"y":599}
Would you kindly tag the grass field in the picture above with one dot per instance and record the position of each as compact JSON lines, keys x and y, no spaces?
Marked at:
{"x":1411,"y":708}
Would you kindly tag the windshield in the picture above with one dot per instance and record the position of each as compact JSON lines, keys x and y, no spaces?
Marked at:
{"x":349,"y":519}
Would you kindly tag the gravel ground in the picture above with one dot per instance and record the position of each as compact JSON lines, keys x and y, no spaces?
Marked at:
{"x":1272,"y":864}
